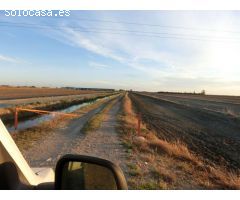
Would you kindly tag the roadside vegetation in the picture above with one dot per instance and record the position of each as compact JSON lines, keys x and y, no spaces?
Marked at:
{"x":7,"y":114}
{"x":95,"y":122}
{"x":26,"y":139}
{"x":155,"y":163}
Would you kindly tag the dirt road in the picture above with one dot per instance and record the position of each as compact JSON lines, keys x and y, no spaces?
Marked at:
{"x":60,"y":142}
{"x":103,"y":143}
{"x":214,"y":136}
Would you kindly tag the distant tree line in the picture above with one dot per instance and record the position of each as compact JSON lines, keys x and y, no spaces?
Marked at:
{"x":96,"y":89}
{"x":70,"y":88}
{"x":203,"y":92}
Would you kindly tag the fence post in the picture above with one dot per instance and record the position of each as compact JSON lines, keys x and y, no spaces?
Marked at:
{"x":16,"y":119}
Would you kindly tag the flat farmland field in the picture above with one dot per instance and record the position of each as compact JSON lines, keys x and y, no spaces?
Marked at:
{"x":51,"y":99}
{"x":30,"y":92}
{"x":208,"y":125}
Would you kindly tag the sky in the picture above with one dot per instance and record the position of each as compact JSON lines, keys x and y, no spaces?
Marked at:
{"x":182,"y":51}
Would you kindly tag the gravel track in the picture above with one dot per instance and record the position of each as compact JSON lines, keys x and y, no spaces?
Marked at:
{"x":103,"y":143}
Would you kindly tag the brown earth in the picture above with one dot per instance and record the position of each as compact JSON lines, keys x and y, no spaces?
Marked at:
{"x":155,"y":163}
{"x":49,"y":104}
{"x":103,"y":143}
{"x":30,"y":92}
{"x":172,"y":152}
{"x":211,"y":135}
{"x":229,"y":105}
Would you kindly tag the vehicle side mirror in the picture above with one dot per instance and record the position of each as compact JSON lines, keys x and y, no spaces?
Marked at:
{"x":78,"y":172}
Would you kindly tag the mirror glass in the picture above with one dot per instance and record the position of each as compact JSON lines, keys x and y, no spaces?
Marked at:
{"x":87,"y":176}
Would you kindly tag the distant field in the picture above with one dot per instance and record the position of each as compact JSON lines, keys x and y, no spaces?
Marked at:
{"x":28,"y":92}
{"x":209,"y":125}
{"x":223,"y":104}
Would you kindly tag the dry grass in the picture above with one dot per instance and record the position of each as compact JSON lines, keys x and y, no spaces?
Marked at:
{"x":30,"y":137}
{"x":95,"y":122}
{"x":176,"y":149}
{"x":161,"y":173}
{"x":224,"y":177}
{"x":230,"y":112}
{"x":5,"y":111}
{"x":7,"y":114}
{"x":167,"y":165}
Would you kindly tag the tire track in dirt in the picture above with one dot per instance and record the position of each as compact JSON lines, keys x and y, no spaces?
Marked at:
{"x":60,"y":142}
{"x":105,"y":142}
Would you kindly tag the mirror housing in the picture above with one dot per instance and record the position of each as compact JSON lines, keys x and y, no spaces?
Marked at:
{"x":87,"y":171}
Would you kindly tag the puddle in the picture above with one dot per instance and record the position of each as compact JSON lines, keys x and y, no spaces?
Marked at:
{"x":42,"y":118}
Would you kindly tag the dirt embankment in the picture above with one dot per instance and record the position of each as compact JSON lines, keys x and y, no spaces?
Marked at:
{"x":8,"y":116}
{"x":156,"y":163}
{"x":214,"y":136}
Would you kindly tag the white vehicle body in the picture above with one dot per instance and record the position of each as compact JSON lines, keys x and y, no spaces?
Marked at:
{"x":9,"y":152}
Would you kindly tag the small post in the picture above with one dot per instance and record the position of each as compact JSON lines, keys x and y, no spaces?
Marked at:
{"x":139,"y":124}
{"x":16,"y":119}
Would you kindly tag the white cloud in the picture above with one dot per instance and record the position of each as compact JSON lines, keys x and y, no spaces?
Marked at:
{"x":8,"y":59}
{"x":78,"y":39}
{"x":13,"y":60}
{"x":171,"y":62}
{"x":122,"y":50}
{"x":98,"y":65}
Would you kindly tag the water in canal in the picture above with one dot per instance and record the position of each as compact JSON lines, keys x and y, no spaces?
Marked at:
{"x":42,"y":118}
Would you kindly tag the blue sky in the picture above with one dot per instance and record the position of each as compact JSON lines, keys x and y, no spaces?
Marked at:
{"x":117,"y":49}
